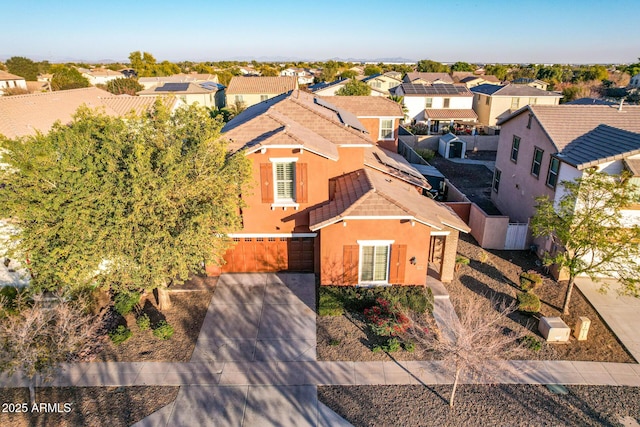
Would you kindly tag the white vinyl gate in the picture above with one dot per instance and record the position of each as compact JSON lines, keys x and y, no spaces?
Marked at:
{"x":516,"y":238}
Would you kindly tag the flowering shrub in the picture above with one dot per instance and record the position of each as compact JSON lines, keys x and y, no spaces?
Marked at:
{"x":386,"y":319}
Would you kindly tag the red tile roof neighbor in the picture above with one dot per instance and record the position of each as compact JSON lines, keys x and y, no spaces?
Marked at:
{"x":296,"y":118}
{"x":367,"y":106}
{"x":8,"y":76}
{"x":262,"y":85}
{"x":429,"y":77}
{"x":367,"y":192}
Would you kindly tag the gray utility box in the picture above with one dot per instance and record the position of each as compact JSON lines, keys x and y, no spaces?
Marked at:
{"x":553,"y":329}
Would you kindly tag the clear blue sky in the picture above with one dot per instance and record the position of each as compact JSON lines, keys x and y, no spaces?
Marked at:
{"x":541,"y":31}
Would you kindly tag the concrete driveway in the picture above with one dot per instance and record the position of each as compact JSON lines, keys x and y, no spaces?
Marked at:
{"x":621,"y":313}
{"x":259,"y":318}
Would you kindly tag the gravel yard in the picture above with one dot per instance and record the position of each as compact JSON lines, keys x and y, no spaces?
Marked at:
{"x":482,"y":405}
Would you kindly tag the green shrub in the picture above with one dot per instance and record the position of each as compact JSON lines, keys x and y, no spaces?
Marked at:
{"x":415,"y":298}
{"x":425,"y":153}
{"x":528,"y":302}
{"x":386,"y":318}
{"x":334,"y":342}
{"x":390,"y":346}
{"x":163,"y":330}
{"x":126,"y":301}
{"x":420,"y":129}
{"x":143,"y":322}
{"x":8,"y":295}
{"x":120,"y":334}
{"x":409,"y":346}
{"x":530,"y":281}
{"x":330,"y":302}
{"x":531,"y":342}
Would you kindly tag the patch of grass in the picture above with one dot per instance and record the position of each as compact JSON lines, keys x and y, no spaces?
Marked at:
{"x":530,"y":281}
{"x":163,"y":330}
{"x":124,"y":302}
{"x":531,"y":342}
{"x":330,"y":302}
{"x":528,"y":302}
{"x":143,"y":322}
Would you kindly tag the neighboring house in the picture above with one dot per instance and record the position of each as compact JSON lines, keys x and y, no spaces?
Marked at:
{"x":26,"y":115}
{"x":100,"y":76}
{"x":493,"y":102}
{"x":328,"y":88}
{"x":205,"y":94}
{"x":541,"y":146}
{"x":427,"y":78}
{"x":635,"y":81}
{"x":252,"y":90}
{"x":381,"y":84}
{"x":304,"y":76}
{"x":328,"y":199}
{"x":539,"y":84}
{"x":591,"y":101}
{"x":151,"y":82}
{"x":394,"y":75}
{"x":11,"y":81}
{"x":438,"y":105}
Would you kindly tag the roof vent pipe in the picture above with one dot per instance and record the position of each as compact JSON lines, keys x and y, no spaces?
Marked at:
{"x":621,"y":102}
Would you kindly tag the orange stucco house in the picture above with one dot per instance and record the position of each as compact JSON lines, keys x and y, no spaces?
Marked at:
{"x":332,"y":196}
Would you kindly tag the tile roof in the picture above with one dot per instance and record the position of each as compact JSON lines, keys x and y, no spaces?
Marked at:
{"x":633,"y":165}
{"x":23,"y":115}
{"x":450,"y":114}
{"x":395,"y":165}
{"x":513,"y":90}
{"x":602,"y":144}
{"x":590,"y":101}
{"x":122,"y":105}
{"x":262,"y":85}
{"x":367,"y":106}
{"x":564,"y":123}
{"x":8,"y":76}
{"x":180,"y":78}
{"x":367,"y":192}
{"x":428,"y":77}
{"x":490,"y":78}
{"x":295,"y":117}
{"x":443,"y":89}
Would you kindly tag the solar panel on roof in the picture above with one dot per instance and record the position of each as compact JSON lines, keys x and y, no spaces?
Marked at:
{"x":209,"y":85}
{"x":345,"y":117}
{"x":173,"y":87}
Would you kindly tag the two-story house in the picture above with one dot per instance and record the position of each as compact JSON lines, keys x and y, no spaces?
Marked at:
{"x":438,"y":105}
{"x":541,"y":146}
{"x":252,"y":90}
{"x":421,"y":78}
{"x":329,"y":197}
{"x":494,"y":102}
{"x":381,"y":84}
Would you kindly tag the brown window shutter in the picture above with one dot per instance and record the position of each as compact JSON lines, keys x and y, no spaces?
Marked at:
{"x":266,"y":184}
{"x":301,"y":183}
{"x":397,"y":263}
{"x":351,"y":255}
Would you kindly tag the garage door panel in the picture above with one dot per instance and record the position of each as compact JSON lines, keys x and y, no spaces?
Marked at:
{"x":270,"y":255}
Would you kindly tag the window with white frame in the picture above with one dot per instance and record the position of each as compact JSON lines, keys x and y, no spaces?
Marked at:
{"x":428,"y":103}
{"x":497,"y":174}
{"x":515,"y":147}
{"x":515,"y":103}
{"x":386,"y":128}
{"x":238,"y":99}
{"x":264,"y":97}
{"x":285,"y":178}
{"x":536,"y":164}
{"x":445,"y":103}
{"x":374,"y":261}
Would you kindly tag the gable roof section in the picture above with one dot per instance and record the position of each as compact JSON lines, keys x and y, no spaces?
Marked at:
{"x":367,"y":106}
{"x":564,"y":123}
{"x":370,"y":193}
{"x":262,"y":85}
{"x":324,"y":85}
{"x":8,"y":76}
{"x":295,"y":118}
{"x":182,"y":88}
{"x":124,"y":104}
{"x":633,"y":165}
{"x":513,"y":90}
{"x":428,"y":77}
{"x":443,"y":89}
{"x":602,"y":144}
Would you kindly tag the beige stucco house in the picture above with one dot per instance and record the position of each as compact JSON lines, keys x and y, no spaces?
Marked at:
{"x":492,"y":102}
{"x":253,"y":90}
{"x":11,"y":81}
{"x":205,"y":94}
{"x":381,"y":84}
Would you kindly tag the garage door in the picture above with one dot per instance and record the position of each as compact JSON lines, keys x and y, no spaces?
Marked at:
{"x":270,"y":254}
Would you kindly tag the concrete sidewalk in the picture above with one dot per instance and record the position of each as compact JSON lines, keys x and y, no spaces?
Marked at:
{"x":621,"y":313}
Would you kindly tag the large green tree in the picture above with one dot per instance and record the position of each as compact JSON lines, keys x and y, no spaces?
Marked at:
{"x":429,"y":66}
{"x":23,"y":67}
{"x":126,"y":204}
{"x":354,"y":88}
{"x":588,"y":226}
{"x":67,"y":77}
{"x":462,"y":66}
